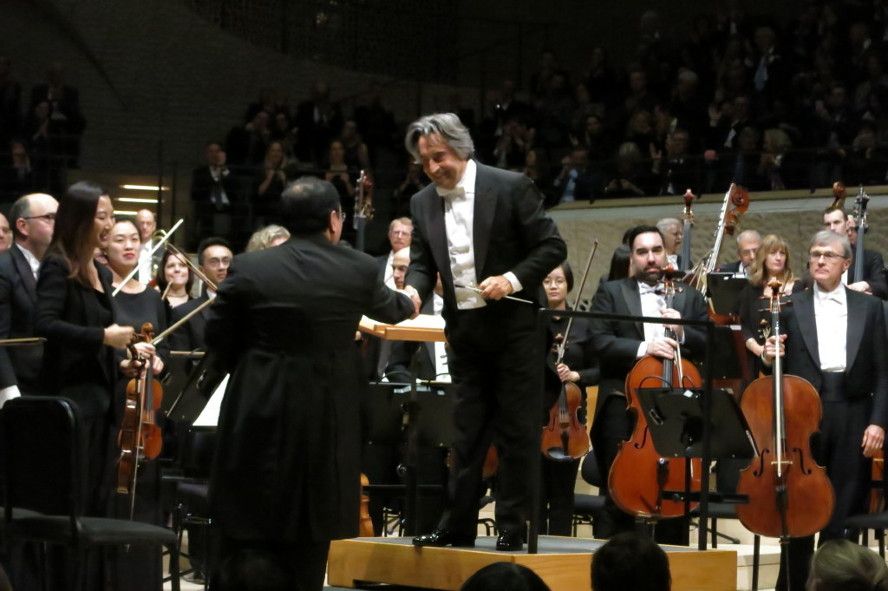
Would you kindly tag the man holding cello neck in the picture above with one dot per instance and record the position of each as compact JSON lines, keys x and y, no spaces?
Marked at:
{"x":620,"y":344}
{"x":835,"y":339}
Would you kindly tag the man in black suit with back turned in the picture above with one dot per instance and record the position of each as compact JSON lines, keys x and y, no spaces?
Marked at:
{"x":33,"y":219}
{"x":835,"y":338}
{"x":620,"y":344}
{"x":484,"y":228}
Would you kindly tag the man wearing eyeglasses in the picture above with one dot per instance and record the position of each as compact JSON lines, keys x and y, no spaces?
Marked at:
{"x":214,"y":257}
{"x":835,"y":339}
{"x":400,"y":235}
{"x":33,"y":218}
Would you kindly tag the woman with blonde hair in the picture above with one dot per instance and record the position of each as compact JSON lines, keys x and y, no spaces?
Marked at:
{"x":771,"y":262}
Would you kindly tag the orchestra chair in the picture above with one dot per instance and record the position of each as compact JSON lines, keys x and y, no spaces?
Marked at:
{"x":587,"y":507}
{"x":43,"y":448}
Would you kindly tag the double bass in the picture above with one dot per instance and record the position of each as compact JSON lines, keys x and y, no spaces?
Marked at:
{"x":687,"y":223}
{"x":639,"y":475}
{"x":140,"y":437}
{"x":862,"y":224}
{"x":789,"y":494}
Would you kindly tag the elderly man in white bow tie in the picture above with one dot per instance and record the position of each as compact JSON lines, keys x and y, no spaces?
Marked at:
{"x":835,"y":338}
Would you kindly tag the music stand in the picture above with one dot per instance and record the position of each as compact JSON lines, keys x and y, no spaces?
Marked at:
{"x":724,"y":291}
{"x":198,"y":389}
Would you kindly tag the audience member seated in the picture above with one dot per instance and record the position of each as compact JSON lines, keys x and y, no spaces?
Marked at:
{"x":62,"y":111}
{"x":842,"y":565}
{"x":5,"y":233}
{"x":412,"y":183}
{"x":630,"y":561}
{"x":10,"y":102}
{"x":630,"y":178}
{"x":504,"y":576}
{"x":357,"y":157}
{"x":16,"y":175}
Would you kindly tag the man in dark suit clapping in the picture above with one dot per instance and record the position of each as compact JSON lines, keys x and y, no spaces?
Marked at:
{"x":484,"y":230}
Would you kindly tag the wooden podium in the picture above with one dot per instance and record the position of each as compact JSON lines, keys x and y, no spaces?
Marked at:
{"x":563,"y":563}
{"x":424,"y":328}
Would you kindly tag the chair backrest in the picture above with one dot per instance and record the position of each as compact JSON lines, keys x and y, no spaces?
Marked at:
{"x":589,"y":469}
{"x":44,"y":468}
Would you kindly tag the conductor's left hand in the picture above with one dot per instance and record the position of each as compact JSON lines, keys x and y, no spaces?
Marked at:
{"x":873,"y":438}
{"x":495,"y":288}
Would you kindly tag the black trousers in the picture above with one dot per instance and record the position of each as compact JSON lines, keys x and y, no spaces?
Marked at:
{"x":497,"y":365}
{"x":248,"y":564}
{"x":557,"y":481}
{"x":837,"y":448}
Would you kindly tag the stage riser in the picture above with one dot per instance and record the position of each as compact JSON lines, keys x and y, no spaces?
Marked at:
{"x":395,"y":561}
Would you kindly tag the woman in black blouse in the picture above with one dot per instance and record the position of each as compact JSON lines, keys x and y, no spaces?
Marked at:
{"x":75,"y":315}
{"x":580,"y":367}
{"x":771,"y":262}
{"x":174,"y":280}
{"x":137,"y":568}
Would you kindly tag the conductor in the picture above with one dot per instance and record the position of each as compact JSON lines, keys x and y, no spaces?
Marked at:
{"x":285,"y":479}
{"x":485,"y":231}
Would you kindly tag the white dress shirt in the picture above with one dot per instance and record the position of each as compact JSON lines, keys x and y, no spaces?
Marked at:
{"x":652,"y":304}
{"x":145,"y":263}
{"x":459,"y":217}
{"x":389,"y":276}
{"x":831,"y":318}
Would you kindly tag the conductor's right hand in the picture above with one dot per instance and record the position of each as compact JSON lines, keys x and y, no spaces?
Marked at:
{"x":663,"y":347}
{"x":118,"y":336}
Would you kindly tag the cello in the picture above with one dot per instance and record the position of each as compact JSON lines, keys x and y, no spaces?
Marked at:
{"x":565,"y":438}
{"x":140,"y":437}
{"x":789,"y":494}
{"x":639,"y":475}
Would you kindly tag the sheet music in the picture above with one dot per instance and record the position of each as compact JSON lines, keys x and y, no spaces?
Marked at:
{"x":209,"y":416}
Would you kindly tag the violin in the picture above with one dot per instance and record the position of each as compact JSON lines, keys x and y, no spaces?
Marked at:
{"x":565,"y":437}
{"x":789,"y":494}
{"x":140,"y":438}
{"x":639,"y":475}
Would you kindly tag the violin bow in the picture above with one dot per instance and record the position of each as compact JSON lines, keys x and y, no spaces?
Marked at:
{"x":562,"y":347}
{"x":157,"y":246}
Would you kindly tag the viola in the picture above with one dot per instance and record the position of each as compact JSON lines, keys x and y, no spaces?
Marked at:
{"x":789,"y":494}
{"x":640,"y":475}
{"x":140,"y":437}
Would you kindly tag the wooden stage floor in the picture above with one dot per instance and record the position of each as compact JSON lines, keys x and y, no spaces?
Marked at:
{"x":563,"y":563}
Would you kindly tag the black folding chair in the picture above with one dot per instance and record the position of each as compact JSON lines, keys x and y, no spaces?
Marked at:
{"x":45,"y":488}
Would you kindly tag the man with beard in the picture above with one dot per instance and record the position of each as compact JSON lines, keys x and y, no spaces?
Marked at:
{"x":620,"y":344}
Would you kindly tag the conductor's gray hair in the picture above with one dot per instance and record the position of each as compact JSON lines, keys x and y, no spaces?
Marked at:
{"x":828,"y":238}
{"x":446,"y":125}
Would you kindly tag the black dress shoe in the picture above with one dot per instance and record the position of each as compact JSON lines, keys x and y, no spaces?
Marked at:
{"x":509,"y":541}
{"x":444,"y":537}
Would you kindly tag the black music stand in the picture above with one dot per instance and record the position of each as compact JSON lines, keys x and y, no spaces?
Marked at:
{"x":724,"y":290}
{"x":199,"y":387}
{"x":675,"y":418}
{"x":408,"y":414}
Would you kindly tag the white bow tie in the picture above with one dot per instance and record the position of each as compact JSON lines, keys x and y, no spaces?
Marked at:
{"x":451,"y":194}
{"x":644,"y":288}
